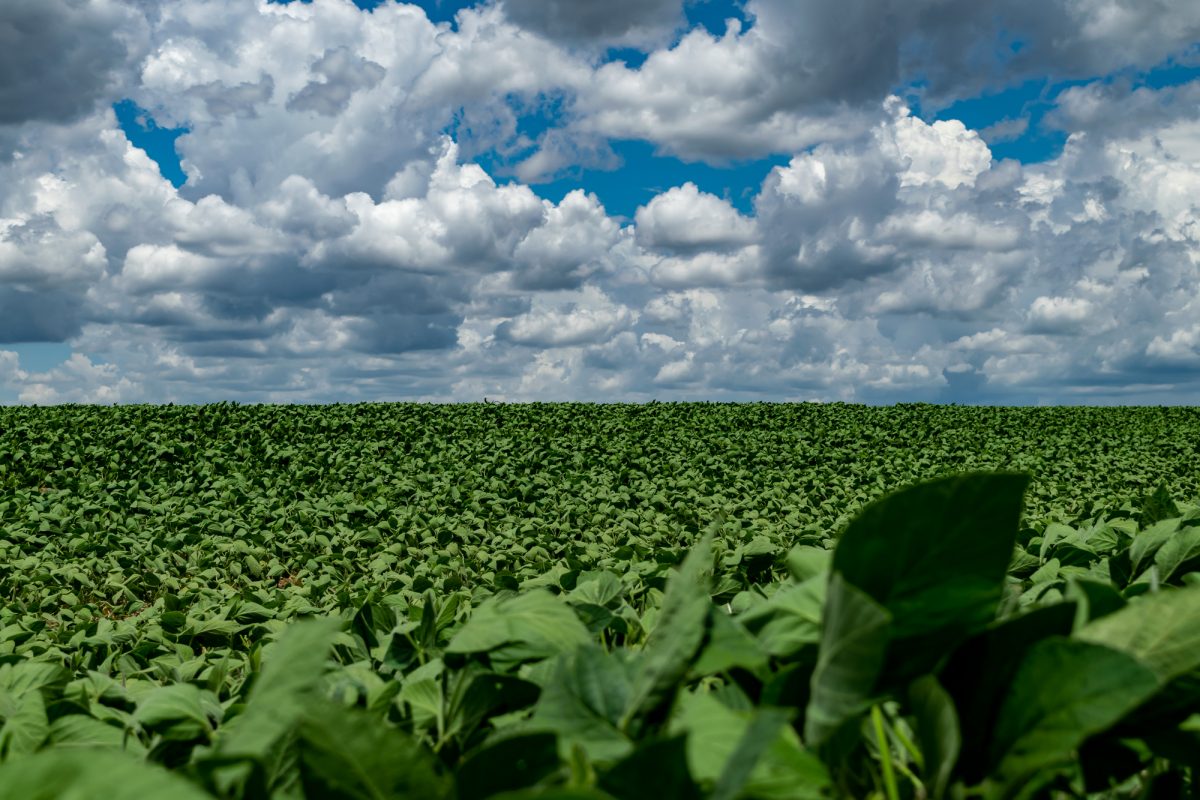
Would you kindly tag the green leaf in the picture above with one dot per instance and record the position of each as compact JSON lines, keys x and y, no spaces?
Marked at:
{"x":1179,"y":554}
{"x":530,"y":626}
{"x":347,"y":753}
{"x":478,"y":695}
{"x":29,"y":676}
{"x":25,"y":725}
{"x":583,"y":701}
{"x":1159,"y":506}
{"x":517,"y":762}
{"x":729,"y":645}
{"x":790,"y":619}
{"x":598,"y":588}
{"x":292,"y":668}
{"x":1044,"y":718}
{"x":179,"y":711}
{"x":934,"y":556}
{"x":677,"y":635}
{"x":938,"y":733}
{"x":981,"y":670}
{"x":77,"y":730}
{"x":86,"y":775}
{"x":657,"y":770}
{"x":1161,"y":630}
{"x":805,"y":561}
{"x":1147,"y":542}
{"x":1093,"y":599}
{"x":763,"y":730}
{"x":423,"y":694}
{"x":784,"y":769}
{"x":853,"y":644}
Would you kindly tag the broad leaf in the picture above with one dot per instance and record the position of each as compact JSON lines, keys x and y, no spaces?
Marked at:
{"x":346,"y":753}
{"x":677,"y":634}
{"x":533,"y":626}
{"x":938,"y":733}
{"x":934,"y":556}
{"x":783,"y":768}
{"x":1044,"y":719}
{"x":180,"y":711}
{"x":1161,"y":630}
{"x":87,"y":775}
{"x":853,"y":644}
{"x":292,"y":668}
{"x":584,"y":700}
{"x":979,"y":674}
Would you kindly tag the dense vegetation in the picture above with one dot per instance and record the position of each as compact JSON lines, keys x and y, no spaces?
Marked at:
{"x":578,"y":601}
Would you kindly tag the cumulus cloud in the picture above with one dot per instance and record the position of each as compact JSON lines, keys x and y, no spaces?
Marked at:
{"x":627,"y":22}
{"x":687,"y":220}
{"x":590,"y":319}
{"x":341,"y":75}
{"x":1060,"y":314}
{"x":58,"y":58}
{"x":334,"y":242}
{"x":572,"y":244}
{"x":77,"y":380}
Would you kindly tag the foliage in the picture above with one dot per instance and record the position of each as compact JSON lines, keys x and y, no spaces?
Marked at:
{"x":599,"y":601}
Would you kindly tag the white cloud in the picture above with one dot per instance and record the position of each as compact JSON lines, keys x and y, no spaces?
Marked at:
{"x":946,"y":151}
{"x":571,"y":245}
{"x":77,"y":380}
{"x":687,"y":220}
{"x":589,"y":319}
{"x":1181,"y":346}
{"x":1061,"y":314}
{"x":333,"y":241}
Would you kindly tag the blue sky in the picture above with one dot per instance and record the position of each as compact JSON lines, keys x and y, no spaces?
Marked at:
{"x":541,"y":199}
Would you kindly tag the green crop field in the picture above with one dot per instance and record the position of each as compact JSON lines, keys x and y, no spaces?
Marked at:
{"x":587,"y":601}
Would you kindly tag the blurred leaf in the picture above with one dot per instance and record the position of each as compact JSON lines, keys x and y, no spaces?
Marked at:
{"x":90,"y":775}
{"x":1045,"y":719}
{"x":656,"y":770}
{"x":517,"y":762}
{"x":677,"y":635}
{"x":934,"y":556}
{"x":853,"y":644}
{"x":1161,"y":630}
{"x":939,"y":735}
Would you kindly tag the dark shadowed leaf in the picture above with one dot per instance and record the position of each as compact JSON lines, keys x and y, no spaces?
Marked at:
{"x":935,"y":555}
{"x":517,"y":762}
{"x":981,"y":670}
{"x":938,"y":733}
{"x":655,"y":771}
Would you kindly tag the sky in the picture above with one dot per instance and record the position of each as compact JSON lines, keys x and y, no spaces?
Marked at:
{"x":876,"y":201}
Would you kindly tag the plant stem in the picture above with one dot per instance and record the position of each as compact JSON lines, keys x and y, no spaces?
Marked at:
{"x":885,"y":754}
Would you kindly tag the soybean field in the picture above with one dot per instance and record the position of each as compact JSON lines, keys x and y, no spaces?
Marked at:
{"x":599,"y":601}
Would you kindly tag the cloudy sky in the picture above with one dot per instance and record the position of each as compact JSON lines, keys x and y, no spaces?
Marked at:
{"x":973,"y":201}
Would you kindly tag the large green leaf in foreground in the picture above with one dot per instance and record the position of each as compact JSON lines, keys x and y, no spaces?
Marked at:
{"x":935,"y":555}
{"x":1063,"y":692}
{"x":91,"y":775}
